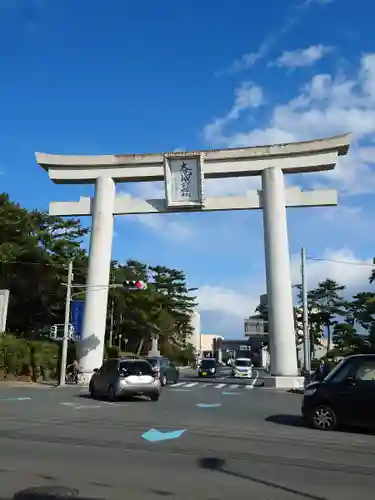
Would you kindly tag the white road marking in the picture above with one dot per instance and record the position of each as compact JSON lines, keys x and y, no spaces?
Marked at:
{"x":77,"y":406}
{"x":82,"y":407}
{"x":178,"y":384}
{"x":220,"y":386}
{"x":253,"y":382}
{"x":234,"y":386}
{"x":193,"y":384}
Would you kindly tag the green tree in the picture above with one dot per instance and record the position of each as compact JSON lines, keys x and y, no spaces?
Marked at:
{"x":163,"y":309}
{"x":34,"y":252}
{"x":361,"y":309}
{"x":315,"y":319}
{"x":328,"y":300}
{"x":171,"y":287}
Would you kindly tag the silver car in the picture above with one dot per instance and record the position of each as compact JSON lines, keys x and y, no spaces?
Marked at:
{"x":120,"y":378}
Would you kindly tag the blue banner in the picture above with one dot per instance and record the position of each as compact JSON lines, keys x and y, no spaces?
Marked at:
{"x":77,"y":311}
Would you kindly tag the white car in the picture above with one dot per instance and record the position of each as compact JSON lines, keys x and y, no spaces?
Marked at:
{"x":242,"y":368}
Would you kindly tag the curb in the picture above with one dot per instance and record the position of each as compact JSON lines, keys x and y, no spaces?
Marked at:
{"x":34,"y":385}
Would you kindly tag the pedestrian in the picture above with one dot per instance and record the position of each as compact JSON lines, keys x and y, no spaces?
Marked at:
{"x":323,"y":370}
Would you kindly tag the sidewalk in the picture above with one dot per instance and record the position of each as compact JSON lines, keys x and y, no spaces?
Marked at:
{"x":18,"y":383}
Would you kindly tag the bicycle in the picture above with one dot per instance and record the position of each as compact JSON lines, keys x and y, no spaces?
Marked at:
{"x":71,"y":378}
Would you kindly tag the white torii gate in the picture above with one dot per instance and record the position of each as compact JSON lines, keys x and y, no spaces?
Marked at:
{"x":184,"y":175}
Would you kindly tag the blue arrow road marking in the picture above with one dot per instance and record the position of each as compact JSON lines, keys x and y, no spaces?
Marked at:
{"x":16,"y":399}
{"x":229,"y":393}
{"x":154,"y":435}
{"x":207,"y":405}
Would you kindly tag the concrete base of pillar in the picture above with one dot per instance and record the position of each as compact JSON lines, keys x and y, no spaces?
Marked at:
{"x":279,"y":382}
{"x":153,"y":353}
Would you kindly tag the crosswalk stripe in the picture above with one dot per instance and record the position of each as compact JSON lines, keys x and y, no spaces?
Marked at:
{"x":198,"y":385}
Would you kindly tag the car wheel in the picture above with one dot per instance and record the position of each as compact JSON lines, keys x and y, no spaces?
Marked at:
{"x":164,"y":380}
{"x":155,"y":396}
{"x":112,"y":394}
{"x":323,"y":418}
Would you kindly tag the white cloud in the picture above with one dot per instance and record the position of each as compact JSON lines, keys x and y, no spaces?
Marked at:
{"x":247,"y":96}
{"x":340,"y":265}
{"x":293,"y":16}
{"x":165,"y":225}
{"x":326,"y":105}
{"x":225,"y":300}
{"x":302,"y":57}
{"x":226,"y":308}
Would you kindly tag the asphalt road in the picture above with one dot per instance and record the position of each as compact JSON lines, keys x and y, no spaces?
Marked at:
{"x":250,"y":442}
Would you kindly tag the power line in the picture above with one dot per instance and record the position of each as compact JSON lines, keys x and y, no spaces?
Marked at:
{"x":27,"y":263}
{"x":363,"y":264}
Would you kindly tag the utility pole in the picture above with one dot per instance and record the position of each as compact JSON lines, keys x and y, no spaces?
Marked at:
{"x":111,"y":309}
{"x":305,"y":321}
{"x":111,"y":321}
{"x":64,"y":354}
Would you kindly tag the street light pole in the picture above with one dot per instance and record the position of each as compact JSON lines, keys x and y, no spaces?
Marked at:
{"x":64,"y":353}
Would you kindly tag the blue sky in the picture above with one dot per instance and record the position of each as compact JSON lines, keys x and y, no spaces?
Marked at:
{"x":114,"y":76}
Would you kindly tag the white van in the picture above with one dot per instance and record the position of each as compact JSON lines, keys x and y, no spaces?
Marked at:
{"x":242,"y":368}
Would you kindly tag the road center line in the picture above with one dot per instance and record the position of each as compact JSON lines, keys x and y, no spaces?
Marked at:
{"x":253,"y":382}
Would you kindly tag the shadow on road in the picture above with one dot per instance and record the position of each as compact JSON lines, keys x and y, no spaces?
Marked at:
{"x":49,"y":493}
{"x":291,"y":420}
{"x":218,"y":465}
{"x":140,"y":399}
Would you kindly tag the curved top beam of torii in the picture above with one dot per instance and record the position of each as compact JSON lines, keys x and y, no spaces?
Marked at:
{"x":297,"y":157}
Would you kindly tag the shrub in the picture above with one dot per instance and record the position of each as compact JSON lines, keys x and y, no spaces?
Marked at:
{"x":32,"y":358}
{"x":45,"y":357}
{"x":112,"y":352}
{"x":14,"y":355}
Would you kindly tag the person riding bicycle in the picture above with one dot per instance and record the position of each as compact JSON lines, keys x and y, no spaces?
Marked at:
{"x":74,"y":370}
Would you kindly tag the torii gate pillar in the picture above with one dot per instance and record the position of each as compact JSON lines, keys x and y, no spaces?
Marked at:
{"x":184,"y":175}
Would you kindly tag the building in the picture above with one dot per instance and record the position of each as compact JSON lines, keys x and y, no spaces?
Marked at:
{"x":195,"y":322}
{"x":208,"y":342}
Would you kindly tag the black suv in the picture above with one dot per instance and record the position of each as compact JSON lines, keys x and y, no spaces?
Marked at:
{"x":346,"y":396}
{"x":168,"y":372}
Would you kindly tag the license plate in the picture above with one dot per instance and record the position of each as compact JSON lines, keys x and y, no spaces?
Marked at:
{"x":204,"y":373}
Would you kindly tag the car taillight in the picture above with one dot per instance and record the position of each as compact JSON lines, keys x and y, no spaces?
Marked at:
{"x":155,"y":373}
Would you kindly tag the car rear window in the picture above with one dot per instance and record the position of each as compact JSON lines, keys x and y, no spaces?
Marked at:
{"x":136,"y":367}
{"x":243,"y":362}
{"x":208,"y":363}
